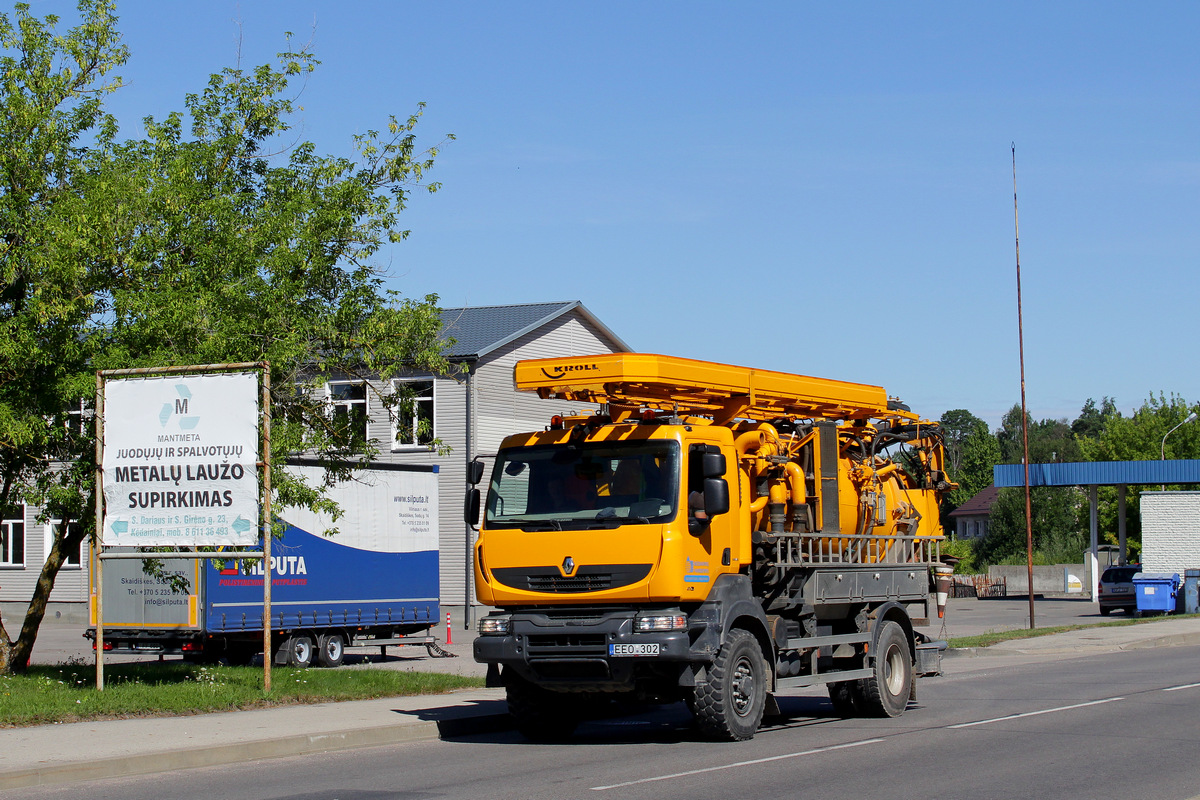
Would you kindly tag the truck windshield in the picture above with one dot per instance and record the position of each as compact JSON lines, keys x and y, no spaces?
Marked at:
{"x":574,"y":487}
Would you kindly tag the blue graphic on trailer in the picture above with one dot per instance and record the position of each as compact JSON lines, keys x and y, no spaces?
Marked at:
{"x":318,"y":582}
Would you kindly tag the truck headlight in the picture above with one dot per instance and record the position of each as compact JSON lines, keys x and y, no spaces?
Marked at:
{"x":660,"y":622}
{"x":494,"y":626}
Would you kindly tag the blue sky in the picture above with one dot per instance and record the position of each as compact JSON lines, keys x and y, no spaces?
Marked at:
{"x":823,"y":189}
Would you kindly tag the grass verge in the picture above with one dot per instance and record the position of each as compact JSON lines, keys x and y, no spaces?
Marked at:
{"x":67,"y":692}
{"x":996,"y":637}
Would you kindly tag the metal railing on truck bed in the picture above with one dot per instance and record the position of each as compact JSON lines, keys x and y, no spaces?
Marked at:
{"x":807,"y":549}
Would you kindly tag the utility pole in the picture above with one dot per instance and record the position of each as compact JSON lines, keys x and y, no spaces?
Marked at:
{"x":1024,"y":412}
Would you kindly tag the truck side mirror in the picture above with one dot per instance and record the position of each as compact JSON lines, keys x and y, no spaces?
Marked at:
{"x":716,"y":495}
{"x":475,"y":473}
{"x":471,"y":507}
{"x":713,"y":465}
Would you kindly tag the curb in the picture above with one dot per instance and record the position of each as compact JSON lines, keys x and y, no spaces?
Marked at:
{"x":217,"y":755}
{"x":1171,"y":640}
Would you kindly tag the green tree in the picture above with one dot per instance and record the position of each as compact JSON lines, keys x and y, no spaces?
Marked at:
{"x":1050,"y":440}
{"x":1139,"y":438}
{"x":1057,"y":514}
{"x":208,"y":240}
{"x":971,"y":453}
{"x":1091,"y":422}
{"x":1057,"y":535}
{"x":50,"y":99}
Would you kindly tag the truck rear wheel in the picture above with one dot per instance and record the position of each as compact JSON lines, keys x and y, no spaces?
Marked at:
{"x":886,"y":693}
{"x":539,"y":715}
{"x":729,"y":703}
{"x":331,"y":650}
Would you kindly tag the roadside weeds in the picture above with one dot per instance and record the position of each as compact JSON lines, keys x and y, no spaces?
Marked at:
{"x":67,"y":692}
{"x":996,"y":637}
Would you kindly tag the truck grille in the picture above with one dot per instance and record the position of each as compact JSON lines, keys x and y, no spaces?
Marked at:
{"x":550,"y":580}
{"x":579,"y":583}
{"x":541,"y":642}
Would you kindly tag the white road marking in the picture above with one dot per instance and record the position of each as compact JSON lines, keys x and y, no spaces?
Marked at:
{"x":1185,"y":686}
{"x":737,"y":764}
{"x":1036,"y":713}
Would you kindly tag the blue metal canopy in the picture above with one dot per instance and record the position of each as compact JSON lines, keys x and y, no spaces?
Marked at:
{"x":1098,"y":473}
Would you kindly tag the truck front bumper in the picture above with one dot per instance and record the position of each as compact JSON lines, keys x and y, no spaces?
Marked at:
{"x":588,"y":651}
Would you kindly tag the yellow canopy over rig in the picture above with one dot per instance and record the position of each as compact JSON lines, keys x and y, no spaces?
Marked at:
{"x":726,"y":392}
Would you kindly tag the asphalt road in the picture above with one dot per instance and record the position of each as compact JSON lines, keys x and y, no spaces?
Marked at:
{"x":1119,"y":724}
{"x":60,"y":642}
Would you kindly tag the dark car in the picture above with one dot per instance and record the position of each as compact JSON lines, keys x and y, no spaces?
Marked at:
{"x":1116,"y":589}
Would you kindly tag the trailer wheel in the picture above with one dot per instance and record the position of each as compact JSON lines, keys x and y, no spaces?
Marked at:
{"x":331,"y":650}
{"x":299,"y":650}
{"x":886,"y":693}
{"x":539,"y":715}
{"x":729,"y":703}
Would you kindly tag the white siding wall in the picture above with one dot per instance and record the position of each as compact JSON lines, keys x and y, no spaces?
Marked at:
{"x":1170,"y":531}
{"x":17,"y":583}
{"x":500,"y":409}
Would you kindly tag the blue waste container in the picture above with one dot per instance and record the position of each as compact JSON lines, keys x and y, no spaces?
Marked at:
{"x":1156,"y":591}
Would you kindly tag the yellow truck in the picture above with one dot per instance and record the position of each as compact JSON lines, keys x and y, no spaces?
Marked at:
{"x":713,"y":534}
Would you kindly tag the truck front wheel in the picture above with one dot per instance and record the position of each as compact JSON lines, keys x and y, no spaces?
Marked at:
{"x":886,"y":693}
{"x":729,"y":702}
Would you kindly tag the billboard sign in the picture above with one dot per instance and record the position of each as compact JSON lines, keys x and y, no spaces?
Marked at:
{"x":180,"y":456}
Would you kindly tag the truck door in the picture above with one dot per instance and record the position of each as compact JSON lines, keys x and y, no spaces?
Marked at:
{"x":712,"y":548}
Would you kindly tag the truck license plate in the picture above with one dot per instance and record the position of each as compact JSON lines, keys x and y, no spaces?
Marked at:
{"x":636,"y":649}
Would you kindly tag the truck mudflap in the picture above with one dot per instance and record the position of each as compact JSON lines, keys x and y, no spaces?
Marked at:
{"x":585,"y":652}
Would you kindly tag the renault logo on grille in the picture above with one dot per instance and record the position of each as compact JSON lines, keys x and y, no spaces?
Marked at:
{"x":568,"y":565}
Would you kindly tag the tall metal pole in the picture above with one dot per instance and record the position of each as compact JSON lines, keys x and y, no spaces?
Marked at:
{"x":1024,"y":413}
{"x":266,"y":526}
{"x":97,"y":546}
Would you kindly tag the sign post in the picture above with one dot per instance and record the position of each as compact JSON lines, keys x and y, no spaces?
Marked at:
{"x":178,"y":466}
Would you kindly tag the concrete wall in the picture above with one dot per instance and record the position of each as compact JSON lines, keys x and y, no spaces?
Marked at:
{"x":1170,"y":531}
{"x":14,"y":614}
{"x":1046,"y":579}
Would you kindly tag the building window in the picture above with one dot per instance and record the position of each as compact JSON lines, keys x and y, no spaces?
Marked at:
{"x":12,"y":537}
{"x":74,"y":559}
{"x":349,"y":402}
{"x":76,"y":416}
{"x":414,"y":414}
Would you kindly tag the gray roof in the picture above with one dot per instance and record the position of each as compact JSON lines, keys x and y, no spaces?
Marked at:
{"x":479,"y":330}
{"x":980,"y":504}
{"x":1103,"y":473}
